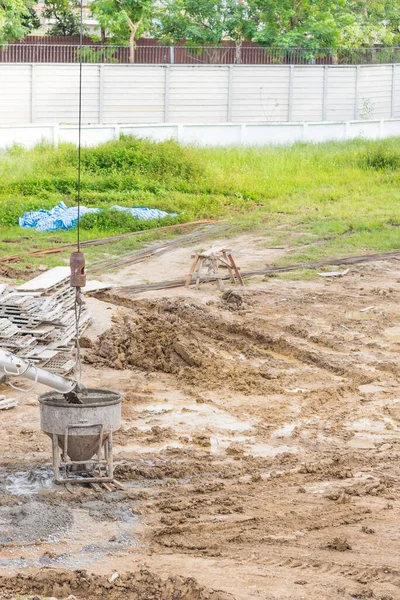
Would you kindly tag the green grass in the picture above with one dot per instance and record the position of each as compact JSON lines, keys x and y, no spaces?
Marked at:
{"x":322,"y":200}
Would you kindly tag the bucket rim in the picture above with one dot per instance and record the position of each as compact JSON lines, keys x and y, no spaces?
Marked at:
{"x":57,"y":400}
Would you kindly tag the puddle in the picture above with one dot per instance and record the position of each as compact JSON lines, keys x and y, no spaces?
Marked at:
{"x":393,"y":334}
{"x":23,"y":483}
{"x":368,"y":425}
{"x":185,"y":415}
{"x":370,"y":388}
{"x":362,"y":442}
{"x":286,"y":430}
{"x":220,"y":443}
{"x":268,"y":451}
{"x":290,"y":360}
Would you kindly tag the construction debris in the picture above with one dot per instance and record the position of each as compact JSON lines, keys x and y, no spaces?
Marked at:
{"x":6,"y":404}
{"x":334,"y":273}
{"x":37,"y":320}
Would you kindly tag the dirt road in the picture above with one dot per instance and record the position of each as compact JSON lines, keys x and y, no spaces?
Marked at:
{"x":260,"y":450}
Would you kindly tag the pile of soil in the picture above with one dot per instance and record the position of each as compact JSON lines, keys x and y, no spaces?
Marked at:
{"x":141,"y":585}
{"x":181,"y":338}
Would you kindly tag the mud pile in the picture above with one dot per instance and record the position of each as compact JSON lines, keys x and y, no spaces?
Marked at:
{"x":141,"y":585}
{"x":184,"y":339}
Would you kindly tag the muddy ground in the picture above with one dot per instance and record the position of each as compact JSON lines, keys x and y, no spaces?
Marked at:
{"x":259,"y":449}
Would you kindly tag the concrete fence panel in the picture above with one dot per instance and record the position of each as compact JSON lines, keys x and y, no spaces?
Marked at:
{"x":187,"y":94}
{"x":341,"y":95}
{"x":375,"y":92}
{"x":259,"y":95}
{"x":15,"y":94}
{"x":55,"y":93}
{"x":132,"y":95}
{"x":308,"y":94}
{"x":198,"y":94}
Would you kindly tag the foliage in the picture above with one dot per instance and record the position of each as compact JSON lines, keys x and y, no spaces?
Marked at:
{"x":123,"y":20}
{"x":117,"y":221}
{"x":31,"y":20}
{"x":331,"y":199}
{"x":207,"y":22}
{"x":103,"y":54}
{"x":164,"y":159}
{"x":65,"y":13}
{"x":381,"y":158}
{"x":375,"y":22}
{"x":310,"y":24}
{"x":16,"y":19}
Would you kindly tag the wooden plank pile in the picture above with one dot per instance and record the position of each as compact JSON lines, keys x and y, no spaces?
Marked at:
{"x":37,"y":320}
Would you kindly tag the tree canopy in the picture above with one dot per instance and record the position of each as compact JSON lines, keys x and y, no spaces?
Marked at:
{"x":65,"y":14}
{"x":16,"y":20}
{"x":308,"y":24}
{"x":123,"y":20}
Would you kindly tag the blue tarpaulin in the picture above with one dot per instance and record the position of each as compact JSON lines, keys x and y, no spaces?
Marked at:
{"x":64,"y":217}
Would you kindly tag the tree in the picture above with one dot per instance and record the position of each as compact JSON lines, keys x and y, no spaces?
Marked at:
{"x":375,"y":22}
{"x":31,"y":20}
{"x":309,"y":24}
{"x":65,"y":14}
{"x":15,"y":20}
{"x":206,"y":22}
{"x":123,"y":20}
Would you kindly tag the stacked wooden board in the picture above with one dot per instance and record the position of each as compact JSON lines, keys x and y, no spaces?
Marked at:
{"x":37,"y":320}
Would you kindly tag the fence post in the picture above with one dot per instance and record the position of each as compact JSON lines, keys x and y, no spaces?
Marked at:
{"x":393,"y":106}
{"x":56,"y":135}
{"x":305,"y":132}
{"x":230,"y":81}
{"x":356,"y":93}
{"x":33,"y":93}
{"x":242,"y":134}
{"x":179,"y":133}
{"x":117,"y":132}
{"x":166,"y":93}
{"x":172,"y":55}
{"x":381,"y":127}
{"x":101,"y":93}
{"x":325,"y":93}
{"x":290,"y":103}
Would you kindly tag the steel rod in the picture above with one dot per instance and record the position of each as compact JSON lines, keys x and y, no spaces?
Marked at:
{"x":160,"y":285}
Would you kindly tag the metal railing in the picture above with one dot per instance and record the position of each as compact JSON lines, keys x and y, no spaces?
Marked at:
{"x":196,"y":55}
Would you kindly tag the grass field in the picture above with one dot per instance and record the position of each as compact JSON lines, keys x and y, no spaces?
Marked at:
{"x":328,"y":199}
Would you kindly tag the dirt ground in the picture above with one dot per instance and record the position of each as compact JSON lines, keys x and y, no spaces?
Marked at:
{"x":259,"y":448}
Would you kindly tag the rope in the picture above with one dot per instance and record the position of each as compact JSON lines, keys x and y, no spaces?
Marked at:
{"x":78,"y":298}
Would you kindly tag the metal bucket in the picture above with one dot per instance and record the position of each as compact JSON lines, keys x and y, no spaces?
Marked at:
{"x":81,"y":429}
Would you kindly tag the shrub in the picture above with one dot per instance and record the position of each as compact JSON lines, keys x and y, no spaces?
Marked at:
{"x":146,"y":157}
{"x":121,"y":222}
{"x":380,"y":158}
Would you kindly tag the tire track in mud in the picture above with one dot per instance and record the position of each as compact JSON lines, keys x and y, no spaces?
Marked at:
{"x":367,"y":574}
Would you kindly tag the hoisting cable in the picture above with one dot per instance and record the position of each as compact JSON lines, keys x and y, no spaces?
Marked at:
{"x":80,"y":125}
{"x":77,"y":261}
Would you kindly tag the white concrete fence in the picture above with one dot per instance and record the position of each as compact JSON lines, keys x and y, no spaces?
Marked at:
{"x":243,"y":134}
{"x":154,"y":94}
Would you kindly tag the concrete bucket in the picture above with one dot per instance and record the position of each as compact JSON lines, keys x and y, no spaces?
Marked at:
{"x":81,"y":431}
